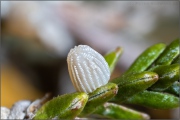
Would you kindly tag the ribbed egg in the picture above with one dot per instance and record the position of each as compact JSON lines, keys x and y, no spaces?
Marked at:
{"x":87,"y":68}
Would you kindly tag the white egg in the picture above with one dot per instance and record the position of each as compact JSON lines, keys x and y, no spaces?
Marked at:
{"x":87,"y":68}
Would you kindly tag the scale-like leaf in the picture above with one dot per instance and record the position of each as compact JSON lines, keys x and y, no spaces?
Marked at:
{"x":156,"y":100}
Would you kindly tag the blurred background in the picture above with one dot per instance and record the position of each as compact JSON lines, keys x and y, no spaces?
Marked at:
{"x":36,"y":37}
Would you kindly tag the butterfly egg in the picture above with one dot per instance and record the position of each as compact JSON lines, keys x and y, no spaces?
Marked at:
{"x":87,"y":68}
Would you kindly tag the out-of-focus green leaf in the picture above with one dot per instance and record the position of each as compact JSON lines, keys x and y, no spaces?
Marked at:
{"x":99,"y":97}
{"x":67,"y":106}
{"x":169,"y":54}
{"x":114,"y":111}
{"x":146,"y":58}
{"x":176,"y":60}
{"x":113,"y":57}
{"x":168,"y":74}
{"x":174,"y":88}
{"x":156,"y":100}
{"x":129,"y":85}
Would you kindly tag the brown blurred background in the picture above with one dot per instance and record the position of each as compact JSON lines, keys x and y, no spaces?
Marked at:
{"x":36,"y":37}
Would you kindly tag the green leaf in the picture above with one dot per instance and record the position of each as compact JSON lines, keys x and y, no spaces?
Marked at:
{"x":156,"y":100}
{"x":114,"y":111}
{"x":113,"y":57}
{"x":168,"y":74}
{"x":67,"y":106}
{"x":99,"y":97}
{"x":174,"y":88}
{"x":130,"y":77}
{"x":146,"y":58}
{"x":129,"y":85}
{"x":169,"y":54}
{"x":176,"y":60}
